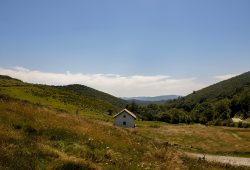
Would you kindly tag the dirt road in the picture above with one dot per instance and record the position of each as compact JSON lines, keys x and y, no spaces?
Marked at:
{"x":239,"y":161}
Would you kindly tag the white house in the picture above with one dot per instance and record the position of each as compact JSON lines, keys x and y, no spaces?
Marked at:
{"x":124,"y":118}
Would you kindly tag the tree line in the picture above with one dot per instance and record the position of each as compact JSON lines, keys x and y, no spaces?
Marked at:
{"x":217,"y":112}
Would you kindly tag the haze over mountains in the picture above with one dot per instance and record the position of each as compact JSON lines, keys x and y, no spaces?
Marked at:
{"x":152,"y":99}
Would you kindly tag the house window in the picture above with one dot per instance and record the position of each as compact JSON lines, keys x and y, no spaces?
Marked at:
{"x":124,"y":116}
{"x":124,"y":123}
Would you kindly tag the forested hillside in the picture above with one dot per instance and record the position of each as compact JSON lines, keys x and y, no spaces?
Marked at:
{"x":234,"y":87}
{"x":216,"y":104}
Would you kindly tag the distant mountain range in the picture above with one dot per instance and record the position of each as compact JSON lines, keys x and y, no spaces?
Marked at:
{"x":153,"y":99}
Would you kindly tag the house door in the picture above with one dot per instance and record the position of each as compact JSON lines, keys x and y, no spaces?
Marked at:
{"x":124,"y":123}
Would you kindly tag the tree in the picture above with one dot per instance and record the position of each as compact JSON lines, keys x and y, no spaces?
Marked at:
{"x":165,"y":117}
{"x":133,"y":107}
{"x":152,"y":111}
{"x":203,"y":113}
{"x":222,"y":109}
{"x":177,"y":116}
{"x":244,"y":102}
{"x":235,"y":106}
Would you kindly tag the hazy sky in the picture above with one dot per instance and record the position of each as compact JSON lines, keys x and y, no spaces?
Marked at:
{"x":125,"y":47}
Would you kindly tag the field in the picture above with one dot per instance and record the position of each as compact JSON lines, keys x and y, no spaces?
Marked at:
{"x":202,"y":139}
{"x":37,"y":137}
{"x":34,"y":137}
{"x":70,"y":127}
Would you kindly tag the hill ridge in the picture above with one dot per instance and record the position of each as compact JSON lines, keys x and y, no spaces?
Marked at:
{"x":72,"y":98}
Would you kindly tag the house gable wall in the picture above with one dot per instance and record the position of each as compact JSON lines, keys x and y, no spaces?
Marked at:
{"x":119,"y":119}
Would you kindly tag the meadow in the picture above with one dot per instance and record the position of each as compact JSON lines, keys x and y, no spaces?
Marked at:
{"x":38,"y":137}
{"x":199,"y":138}
{"x":71,"y":127}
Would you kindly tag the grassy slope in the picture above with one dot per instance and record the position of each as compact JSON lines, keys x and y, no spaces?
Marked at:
{"x":227,"y":88}
{"x":41,"y":134}
{"x":74,"y":98}
{"x":37,"y":137}
{"x":221,"y":90}
{"x":95,"y":94}
{"x":202,"y":139}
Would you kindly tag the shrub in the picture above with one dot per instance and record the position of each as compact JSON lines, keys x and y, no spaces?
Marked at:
{"x":17,"y":126}
{"x":155,"y":126}
{"x":217,"y":123}
{"x":240,"y":125}
{"x":246,"y":125}
{"x":74,"y":166}
{"x":30,"y":130}
{"x":231,"y":124}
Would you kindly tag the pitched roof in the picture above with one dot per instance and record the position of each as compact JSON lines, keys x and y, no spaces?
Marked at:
{"x":125,"y":110}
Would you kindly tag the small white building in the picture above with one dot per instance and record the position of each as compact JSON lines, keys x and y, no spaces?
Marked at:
{"x":124,"y":118}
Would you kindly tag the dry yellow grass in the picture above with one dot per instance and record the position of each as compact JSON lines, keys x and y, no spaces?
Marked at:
{"x":204,"y":139}
{"x":33,"y":137}
{"x":36,"y":137}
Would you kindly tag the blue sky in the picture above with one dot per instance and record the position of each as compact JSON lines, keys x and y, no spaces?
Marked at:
{"x":183,"y":39}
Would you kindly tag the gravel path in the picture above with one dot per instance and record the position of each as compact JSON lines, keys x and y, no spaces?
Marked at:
{"x":239,"y":161}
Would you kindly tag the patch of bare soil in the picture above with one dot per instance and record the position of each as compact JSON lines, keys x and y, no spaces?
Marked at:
{"x":238,"y":161}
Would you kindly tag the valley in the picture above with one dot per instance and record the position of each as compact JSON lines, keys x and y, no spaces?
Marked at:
{"x":71,"y":127}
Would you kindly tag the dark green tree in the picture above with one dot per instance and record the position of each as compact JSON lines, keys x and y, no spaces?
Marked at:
{"x":222,"y":109}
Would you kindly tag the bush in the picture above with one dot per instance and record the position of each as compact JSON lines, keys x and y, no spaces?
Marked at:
{"x":231,"y":124}
{"x":210,"y":123}
{"x":17,"y":126}
{"x":30,"y":130}
{"x":240,"y":125}
{"x":217,"y":123}
{"x":73,"y":166}
{"x":155,"y":126}
{"x":246,"y":125}
{"x":227,"y":122}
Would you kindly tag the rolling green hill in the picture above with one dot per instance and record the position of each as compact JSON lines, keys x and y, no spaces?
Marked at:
{"x":225,"y":89}
{"x":233,"y":87}
{"x":73,"y":98}
{"x":39,"y":131}
{"x":215,"y":104}
{"x":37,"y":137}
